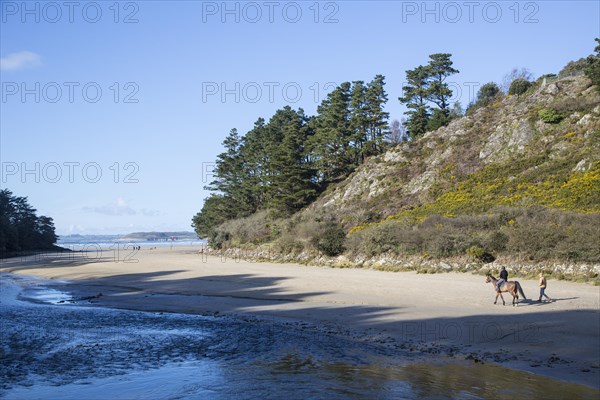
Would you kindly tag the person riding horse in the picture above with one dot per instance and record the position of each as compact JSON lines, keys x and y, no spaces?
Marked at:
{"x":503,"y":278}
{"x":512,"y":287}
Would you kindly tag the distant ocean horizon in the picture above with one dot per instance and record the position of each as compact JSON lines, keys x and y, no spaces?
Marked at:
{"x":141,"y":243}
{"x":107,"y":241}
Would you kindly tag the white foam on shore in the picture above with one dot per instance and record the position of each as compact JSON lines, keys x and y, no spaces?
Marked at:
{"x":9,"y":289}
{"x":16,"y":288}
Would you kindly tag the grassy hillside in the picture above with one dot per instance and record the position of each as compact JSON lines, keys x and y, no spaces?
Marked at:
{"x":517,"y":178}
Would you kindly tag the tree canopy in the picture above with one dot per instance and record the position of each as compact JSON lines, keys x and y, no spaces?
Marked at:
{"x":592,"y":70}
{"x":20,"y":228}
{"x":284,"y":164}
{"x":427,"y":95}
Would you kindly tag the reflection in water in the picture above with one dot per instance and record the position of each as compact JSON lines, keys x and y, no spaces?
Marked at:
{"x":467,"y":380}
{"x":66,"y":352}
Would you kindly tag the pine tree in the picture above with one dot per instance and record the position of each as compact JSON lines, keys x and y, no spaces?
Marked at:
{"x":376,"y":98}
{"x":415,"y":96}
{"x":255,"y":164}
{"x":229,"y":175}
{"x":359,"y":121}
{"x":331,"y":143}
{"x":439,"y":68}
{"x":293,"y":185}
{"x":428,"y":84}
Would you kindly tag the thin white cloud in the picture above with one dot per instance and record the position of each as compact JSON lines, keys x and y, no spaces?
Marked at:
{"x":20,"y":60}
{"x":151,"y":213}
{"x":120,"y":208}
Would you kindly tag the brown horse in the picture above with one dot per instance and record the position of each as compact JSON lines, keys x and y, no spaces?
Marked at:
{"x":512,"y":287}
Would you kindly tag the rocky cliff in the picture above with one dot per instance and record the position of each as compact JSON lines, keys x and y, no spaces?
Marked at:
{"x":537,"y":148}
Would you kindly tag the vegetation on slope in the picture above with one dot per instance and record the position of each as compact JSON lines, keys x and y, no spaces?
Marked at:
{"x":518,"y":175}
{"x":282,"y":165}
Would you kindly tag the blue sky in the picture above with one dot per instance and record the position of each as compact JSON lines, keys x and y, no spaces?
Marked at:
{"x":144,"y":92}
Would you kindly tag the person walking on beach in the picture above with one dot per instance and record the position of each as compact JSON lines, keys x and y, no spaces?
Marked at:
{"x":543,"y":285}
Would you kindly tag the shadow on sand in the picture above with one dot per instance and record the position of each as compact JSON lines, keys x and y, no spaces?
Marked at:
{"x":554,"y":340}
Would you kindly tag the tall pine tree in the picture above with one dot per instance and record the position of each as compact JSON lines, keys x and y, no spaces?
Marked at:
{"x":427,"y":84}
{"x":293,"y":183}
{"x":331,"y":143}
{"x":359,"y":121}
{"x":439,"y":68}
{"x":255,"y":158}
{"x":230,"y":175}
{"x":416,"y":92}
{"x":377,"y":118}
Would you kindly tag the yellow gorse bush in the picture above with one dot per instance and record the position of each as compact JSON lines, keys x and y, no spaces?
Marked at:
{"x":580,"y":192}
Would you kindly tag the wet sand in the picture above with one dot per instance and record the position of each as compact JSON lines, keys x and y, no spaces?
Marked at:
{"x":449,"y":314}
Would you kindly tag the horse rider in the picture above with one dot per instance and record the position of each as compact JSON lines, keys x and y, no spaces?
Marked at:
{"x":503,"y":278}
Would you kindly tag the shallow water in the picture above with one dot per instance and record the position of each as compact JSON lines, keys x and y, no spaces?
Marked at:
{"x":64,"y":351}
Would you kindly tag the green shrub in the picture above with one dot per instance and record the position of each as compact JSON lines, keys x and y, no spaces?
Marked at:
{"x":288,"y":244}
{"x":395,"y":237}
{"x":332,"y":241}
{"x":480,"y":254}
{"x":275,"y":231}
{"x":573,"y":68}
{"x":519,"y":86}
{"x":306,"y":229}
{"x":218,"y":239}
{"x":592,"y":70}
{"x":252,"y":229}
{"x":495,"y":241}
{"x":535,"y":233}
{"x":540,"y":233}
{"x":445,"y":244}
{"x":488,"y":93}
{"x":380,"y":239}
{"x":550,"y":116}
{"x":581,"y":237}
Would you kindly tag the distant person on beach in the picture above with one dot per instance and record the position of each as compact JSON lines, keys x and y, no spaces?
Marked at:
{"x":543,"y":285}
{"x":503,"y":278}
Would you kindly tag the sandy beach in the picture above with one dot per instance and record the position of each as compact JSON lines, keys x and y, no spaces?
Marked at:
{"x":449,"y":313}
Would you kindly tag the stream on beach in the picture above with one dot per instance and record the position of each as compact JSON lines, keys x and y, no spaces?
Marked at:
{"x":52,"y":349}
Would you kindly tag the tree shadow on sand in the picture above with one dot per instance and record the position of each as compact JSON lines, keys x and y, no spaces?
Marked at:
{"x":543,"y":338}
{"x":55,"y":259}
